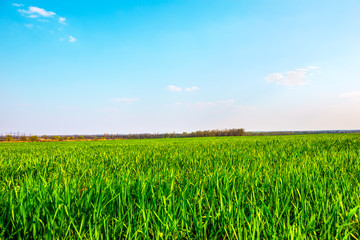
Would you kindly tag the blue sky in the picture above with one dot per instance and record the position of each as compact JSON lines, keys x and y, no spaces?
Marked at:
{"x":86,"y":67}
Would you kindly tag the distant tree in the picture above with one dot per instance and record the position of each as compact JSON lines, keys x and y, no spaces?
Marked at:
{"x":24,"y":138}
{"x":8,"y":138}
{"x":45,"y":136}
{"x":81,"y":137}
{"x":34,"y":138}
{"x":56,"y":138}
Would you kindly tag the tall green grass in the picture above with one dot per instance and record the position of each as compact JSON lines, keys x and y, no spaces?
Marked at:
{"x":285,"y":187}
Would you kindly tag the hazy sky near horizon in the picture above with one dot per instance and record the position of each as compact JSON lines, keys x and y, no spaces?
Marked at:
{"x":93,"y":67}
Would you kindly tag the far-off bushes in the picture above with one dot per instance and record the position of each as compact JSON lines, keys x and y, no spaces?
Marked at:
{"x":8,"y":138}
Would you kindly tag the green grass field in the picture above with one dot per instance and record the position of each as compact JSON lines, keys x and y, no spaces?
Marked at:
{"x":286,"y":187}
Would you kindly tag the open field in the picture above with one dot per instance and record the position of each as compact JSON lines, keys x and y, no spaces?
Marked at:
{"x":227,"y":187}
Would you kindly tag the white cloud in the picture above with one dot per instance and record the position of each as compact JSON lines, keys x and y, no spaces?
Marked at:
{"x":294,"y":78}
{"x":291,"y":78}
{"x":18,"y":4}
{"x":174,"y":88}
{"x":274,"y":77}
{"x":62,"y":20}
{"x":127,"y":100}
{"x":352,"y":94}
{"x":43,"y":15}
{"x":313,"y":67}
{"x":72,"y":39}
{"x":308,"y":68}
{"x":191,"y":89}
{"x":36,"y":11}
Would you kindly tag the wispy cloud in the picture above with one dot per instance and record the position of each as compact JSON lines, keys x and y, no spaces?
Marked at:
{"x":191,"y":89}
{"x":174,"y":88}
{"x":18,"y":4}
{"x":126,"y":100}
{"x":43,"y":20}
{"x":72,"y":39}
{"x":36,"y":12}
{"x":42,"y":15}
{"x":62,"y":20}
{"x":350,"y":95}
{"x":313,"y":67}
{"x":291,"y":78}
{"x":45,"y":17}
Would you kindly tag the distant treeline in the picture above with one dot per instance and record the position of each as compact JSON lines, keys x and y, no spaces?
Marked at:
{"x":206,"y":133}
{"x":275,"y":133}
